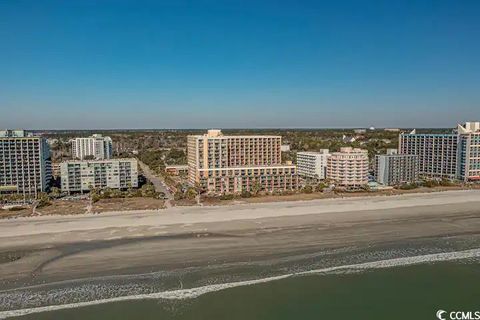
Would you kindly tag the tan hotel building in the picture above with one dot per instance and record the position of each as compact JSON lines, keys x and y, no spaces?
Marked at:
{"x":232,"y":164}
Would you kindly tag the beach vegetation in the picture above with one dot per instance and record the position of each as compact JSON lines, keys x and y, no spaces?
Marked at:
{"x":227,"y":196}
{"x":191,"y":193}
{"x":431,"y":183}
{"x":246,"y":194}
{"x":43,"y":200}
{"x":408,"y":186}
{"x":320,"y":187}
{"x":308,"y":189}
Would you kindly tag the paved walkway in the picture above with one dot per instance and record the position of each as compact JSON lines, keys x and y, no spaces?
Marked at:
{"x":157,"y":182}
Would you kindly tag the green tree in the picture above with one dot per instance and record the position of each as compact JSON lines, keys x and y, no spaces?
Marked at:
{"x":255,"y":189}
{"x":191,"y":193}
{"x":148,"y":190}
{"x":55,"y":192}
{"x":116,"y":193}
{"x":320,"y":187}
{"x":307,"y":189}
{"x":178,"y":195}
{"x":245,"y":194}
{"x":106,"y":193}
{"x":43,"y":200}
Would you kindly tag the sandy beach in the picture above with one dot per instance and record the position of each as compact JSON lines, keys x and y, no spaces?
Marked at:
{"x":45,"y":249}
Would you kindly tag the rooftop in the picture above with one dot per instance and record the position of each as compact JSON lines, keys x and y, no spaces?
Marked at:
{"x":314,"y":153}
{"x":468,"y":127}
{"x":99,"y":161}
{"x":351,"y":150}
{"x":19,"y":133}
{"x":217,"y":133}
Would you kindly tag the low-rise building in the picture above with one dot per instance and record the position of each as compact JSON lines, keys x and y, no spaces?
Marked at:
{"x":313,"y":164}
{"x":83,"y":175}
{"x":348,"y":168}
{"x":176,"y":170}
{"x":285,"y":147}
{"x":348,"y":139}
{"x":393,"y":169}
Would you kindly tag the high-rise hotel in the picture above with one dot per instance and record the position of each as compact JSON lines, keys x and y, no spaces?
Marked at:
{"x":25,"y":166}
{"x":232,"y":164}
{"x":469,"y":151}
{"x":95,"y":147}
{"x":454,"y":155}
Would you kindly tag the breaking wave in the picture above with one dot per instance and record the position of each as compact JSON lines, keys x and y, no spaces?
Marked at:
{"x":180,"y":294}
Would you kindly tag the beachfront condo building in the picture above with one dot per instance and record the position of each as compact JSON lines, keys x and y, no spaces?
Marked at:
{"x":452,"y":155}
{"x":95,"y":147}
{"x":84,"y":175}
{"x":437,"y":153}
{"x":233,"y":164}
{"x":348,"y":167}
{"x":469,"y":151}
{"x":25,"y":164}
{"x":313,"y":164}
{"x":394,"y":169}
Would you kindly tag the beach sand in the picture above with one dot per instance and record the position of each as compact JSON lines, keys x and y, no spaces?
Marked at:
{"x":39,"y":250}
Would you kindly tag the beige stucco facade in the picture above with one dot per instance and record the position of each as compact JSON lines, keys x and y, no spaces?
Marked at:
{"x":232,"y":164}
{"x":349,"y":167}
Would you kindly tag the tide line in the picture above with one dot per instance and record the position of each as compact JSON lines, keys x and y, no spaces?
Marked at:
{"x":191,"y":293}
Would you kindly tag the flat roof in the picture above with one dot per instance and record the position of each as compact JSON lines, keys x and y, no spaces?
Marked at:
{"x":313,"y":153}
{"x":290,"y":166}
{"x":233,"y":137}
{"x":97,"y":161}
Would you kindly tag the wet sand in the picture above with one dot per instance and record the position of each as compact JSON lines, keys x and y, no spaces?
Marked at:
{"x":45,"y":249}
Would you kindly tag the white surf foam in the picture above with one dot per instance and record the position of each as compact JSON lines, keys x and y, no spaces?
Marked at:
{"x":196,"y":292}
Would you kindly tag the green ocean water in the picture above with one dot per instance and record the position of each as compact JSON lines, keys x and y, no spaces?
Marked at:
{"x":411,"y":292}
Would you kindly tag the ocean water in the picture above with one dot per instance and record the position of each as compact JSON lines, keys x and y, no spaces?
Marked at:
{"x":400,"y":289}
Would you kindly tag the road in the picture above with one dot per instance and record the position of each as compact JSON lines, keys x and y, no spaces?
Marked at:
{"x":157,"y":182}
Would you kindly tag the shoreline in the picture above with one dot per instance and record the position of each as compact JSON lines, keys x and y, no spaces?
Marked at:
{"x":225,"y":243}
{"x":48,"y":244}
{"x":195,"y":292}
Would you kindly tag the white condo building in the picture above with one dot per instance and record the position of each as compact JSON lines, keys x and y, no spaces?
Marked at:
{"x":95,"y":147}
{"x":25,"y":164}
{"x":454,"y":155}
{"x":469,"y":151}
{"x":313,"y":164}
{"x":82,"y":175}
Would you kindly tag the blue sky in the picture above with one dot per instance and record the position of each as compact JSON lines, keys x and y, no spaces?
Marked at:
{"x":197,"y":64}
